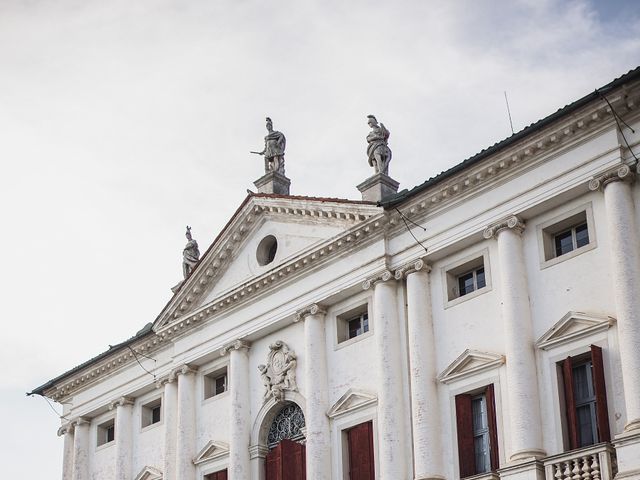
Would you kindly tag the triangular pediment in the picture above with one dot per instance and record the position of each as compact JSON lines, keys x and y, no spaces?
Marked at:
{"x":307,"y":231}
{"x":572,"y":326}
{"x":211,"y":451}
{"x":470,"y":362}
{"x":149,"y":473}
{"x":352,"y":400}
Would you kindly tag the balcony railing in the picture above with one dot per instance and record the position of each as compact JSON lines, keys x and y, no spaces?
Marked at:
{"x":596,"y":462}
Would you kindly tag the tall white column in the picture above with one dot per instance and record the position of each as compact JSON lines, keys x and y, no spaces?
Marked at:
{"x":123,"y":437}
{"x":170,"y":411}
{"x":425,"y":409}
{"x":81,"y":449}
{"x":392,"y":442}
{"x":625,"y":267}
{"x":67,"y":459}
{"x":318,"y":441}
{"x":186,"y":423}
{"x":240,"y":430}
{"x":522,"y":382}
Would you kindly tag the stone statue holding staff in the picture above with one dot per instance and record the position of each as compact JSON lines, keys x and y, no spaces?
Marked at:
{"x":274,"y":144}
{"x":190,"y":254}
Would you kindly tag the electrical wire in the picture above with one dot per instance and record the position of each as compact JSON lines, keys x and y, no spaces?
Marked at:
{"x":406,"y":224}
{"x":52,"y":407}
{"x":135,"y":355}
{"x":619,"y":119}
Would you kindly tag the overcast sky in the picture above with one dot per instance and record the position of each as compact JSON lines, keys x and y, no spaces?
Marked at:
{"x":121,"y":122}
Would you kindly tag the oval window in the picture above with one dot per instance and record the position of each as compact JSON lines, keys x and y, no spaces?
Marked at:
{"x":267,"y":249}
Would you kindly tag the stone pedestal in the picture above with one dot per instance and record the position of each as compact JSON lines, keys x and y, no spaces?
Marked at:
{"x":425,"y":410}
{"x":318,"y":445}
{"x":239,"y":438}
{"x":124,"y":437}
{"x":186,"y":424}
{"x":273,"y":182}
{"x":377,"y":187}
{"x":525,"y":442}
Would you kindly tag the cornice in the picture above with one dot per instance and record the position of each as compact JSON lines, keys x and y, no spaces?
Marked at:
{"x":620,"y":173}
{"x":419,"y":265}
{"x":235,"y":345}
{"x":512,"y":222}
{"x":313,"y":309}
{"x":521,"y":156}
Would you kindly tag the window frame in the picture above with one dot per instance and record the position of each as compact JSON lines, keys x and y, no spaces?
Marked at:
{"x":146,"y":413}
{"x":548,"y":231}
{"x":102,"y":433}
{"x":209,"y":380}
{"x":452,"y":272}
{"x":350,"y":312}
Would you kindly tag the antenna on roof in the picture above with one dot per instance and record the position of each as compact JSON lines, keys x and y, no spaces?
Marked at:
{"x":509,"y":112}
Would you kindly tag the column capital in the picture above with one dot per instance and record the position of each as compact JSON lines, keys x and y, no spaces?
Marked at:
{"x":186,"y":369}
{"x":617,"y":174}
{"x":80,"y":421}
{"x":160,"y":383}
{"x":121,"y":402}
{"x":512,"y":222}
{"x":313,"y":309}
{"x":66,"y":428}
{"x":235,"y":345}
{"x":419,"y":265}
{"x":383,"y":276}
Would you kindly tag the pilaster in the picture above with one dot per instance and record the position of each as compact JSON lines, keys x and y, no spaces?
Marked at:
{"x":425,"y":408}
{"x":186,"y":423}
{"x":170,"y":411}
{"x":392,"y":442}
{"x":240,"y":433}
{"x":525,"y":442}
{"x":318,"y":446}
{"x":81,"y":448}
{"x":123,"y":436}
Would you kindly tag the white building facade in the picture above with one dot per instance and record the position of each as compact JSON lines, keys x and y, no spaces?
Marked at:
{"x":333,"y":339}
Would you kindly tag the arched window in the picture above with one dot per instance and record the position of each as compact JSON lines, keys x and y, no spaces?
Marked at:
{"x":287,"y":425}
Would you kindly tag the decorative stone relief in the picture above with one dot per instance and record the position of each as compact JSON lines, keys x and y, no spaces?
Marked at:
{"x":279,"y":374}
{"x":513,"y":222}
{"x":620,"y":173}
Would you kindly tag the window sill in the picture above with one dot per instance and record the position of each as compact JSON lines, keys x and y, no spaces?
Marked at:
{"x":105,"y":445}
{"x":567,"y":256}
{"x":151,"y":426}
{"x":215,"y":397}
{"x":351,"y":341}
{"x":468,"y":296}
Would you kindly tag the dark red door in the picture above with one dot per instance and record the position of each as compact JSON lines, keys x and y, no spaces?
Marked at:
{"x":361,"y":461}
{"x":221,"y":475}
{"x":286,"y":461}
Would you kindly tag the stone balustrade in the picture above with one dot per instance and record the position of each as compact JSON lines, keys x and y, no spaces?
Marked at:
{"x":596,"y":462}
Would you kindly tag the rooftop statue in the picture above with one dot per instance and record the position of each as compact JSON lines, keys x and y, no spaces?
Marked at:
{"x":274,"y":144}
{"x":190,"y":254}
{"x":378,"y":151}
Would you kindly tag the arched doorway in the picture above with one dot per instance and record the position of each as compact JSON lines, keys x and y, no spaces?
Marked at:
{"x":285,"y":439}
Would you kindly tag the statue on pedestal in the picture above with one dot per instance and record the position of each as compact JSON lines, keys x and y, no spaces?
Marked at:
{"x":190,"y":254}
{"x":274,"y":144}
{"x":378,"y":151}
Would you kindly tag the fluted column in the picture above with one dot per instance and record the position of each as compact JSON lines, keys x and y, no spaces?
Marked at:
{"x":123,"y":436}
{"x":425,"y":409}
{"x":81,"y":449}
{"x":522,"y":382}
{"x":170,"y":410}
{"x":318,"y":445}
{"x":625,"y":267}
{"x":186,"y":423}
{"x":392,"y":442}
{"x":67,"y":459}
{"x":240,"y":429}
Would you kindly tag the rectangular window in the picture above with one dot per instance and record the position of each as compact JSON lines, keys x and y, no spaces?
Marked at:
{"x":151,"y":413}
{"x":106,"y":432}
{"x":571,"y":239}
{"x":566,"y":236}
{"x":358,"y":325}
{"x":471,"y":281}
{"x":360,"y":445}
{"x":585,"y":399}
{"x":215,"y":383}
{"x":477,"y":432}
{"x":467,"y":278}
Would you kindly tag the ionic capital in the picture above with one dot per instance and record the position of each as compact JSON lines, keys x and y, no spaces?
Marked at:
{"x":121,"y":402}
{"x":513,"y":223}
{"x":65,"y":429}
{"x":80,"y":421}
{"x":185,"y":369}
{"x":160,"y":383}
{"x":313,"y":309}
{"x":621,"y":173}
{"x":414,"y":266}
{"x":383,"y":276}
{"x":235,"y":345}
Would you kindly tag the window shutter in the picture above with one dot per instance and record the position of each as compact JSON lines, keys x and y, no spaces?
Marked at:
{"x":602,"y":412}
{"x":274,"y":463}
{"x":493,"y":427}
{"x":361,"y":465}
{"x":570,"y":403}
{"x":464,"y":422}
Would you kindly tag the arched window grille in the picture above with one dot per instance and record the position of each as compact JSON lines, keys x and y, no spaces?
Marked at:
{"x":287,"y":425}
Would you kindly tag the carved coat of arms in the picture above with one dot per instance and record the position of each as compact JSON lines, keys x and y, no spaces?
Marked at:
{"x":279,"y":374}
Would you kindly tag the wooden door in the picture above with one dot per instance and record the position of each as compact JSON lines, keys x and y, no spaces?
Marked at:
{"x":221,"y":475}
{"x":286,"y":461}
{"x":361,"y":461}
